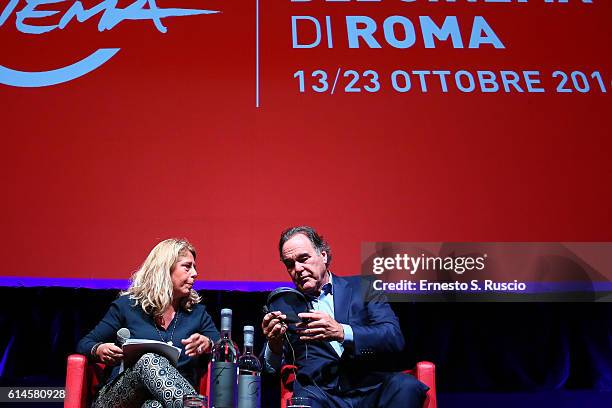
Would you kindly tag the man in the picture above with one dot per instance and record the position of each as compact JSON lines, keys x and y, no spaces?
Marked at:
{"x":342,"y":340}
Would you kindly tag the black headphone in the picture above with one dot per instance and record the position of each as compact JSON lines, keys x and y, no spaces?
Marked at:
{"x":289,"y":301}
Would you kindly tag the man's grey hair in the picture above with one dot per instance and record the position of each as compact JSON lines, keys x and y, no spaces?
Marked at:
{"x":318,"y":242}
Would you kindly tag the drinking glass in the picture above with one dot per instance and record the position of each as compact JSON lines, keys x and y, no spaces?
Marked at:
{"x":299,"y":402}
{"x":195,"y":401}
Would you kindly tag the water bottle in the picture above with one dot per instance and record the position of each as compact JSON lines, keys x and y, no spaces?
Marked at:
{"x":249,"y":373}
{"x":224,"y":359}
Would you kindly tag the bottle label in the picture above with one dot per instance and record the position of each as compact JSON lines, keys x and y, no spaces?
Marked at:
{"x":223,"y":384}
{"x":249,"y":387}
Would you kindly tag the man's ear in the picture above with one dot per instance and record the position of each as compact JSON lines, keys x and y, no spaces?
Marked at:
{"x":324,"y":255}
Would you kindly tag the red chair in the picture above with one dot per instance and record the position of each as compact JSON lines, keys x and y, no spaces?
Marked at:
{"x":424,"y":372}
{"x":82,"y":378}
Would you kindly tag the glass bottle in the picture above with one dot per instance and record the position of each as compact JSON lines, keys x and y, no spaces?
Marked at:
{"x":224,"y":367}
{"x":249,"y":373}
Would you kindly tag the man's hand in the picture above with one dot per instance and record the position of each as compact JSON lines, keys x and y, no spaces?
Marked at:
{"x":274,"y":327}
{"x":109,"y":353}
{"x":196,"y":345}
{"x":320,"y":326}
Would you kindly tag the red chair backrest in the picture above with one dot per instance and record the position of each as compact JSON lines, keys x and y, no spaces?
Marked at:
{"x":83,"y":377}
{"x":424,"y":371}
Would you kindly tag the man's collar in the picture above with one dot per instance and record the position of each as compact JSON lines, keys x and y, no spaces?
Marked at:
{"x":328,"y":288}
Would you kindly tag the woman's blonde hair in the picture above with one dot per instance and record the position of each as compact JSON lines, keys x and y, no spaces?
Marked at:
{"x":151,"y":285}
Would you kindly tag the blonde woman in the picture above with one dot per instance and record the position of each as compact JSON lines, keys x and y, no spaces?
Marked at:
{"x":160,"y":304}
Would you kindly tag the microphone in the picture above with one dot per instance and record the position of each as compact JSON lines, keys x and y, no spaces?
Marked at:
{"x":122,"y":335}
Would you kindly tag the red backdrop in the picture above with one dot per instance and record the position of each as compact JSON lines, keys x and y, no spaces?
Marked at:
{"x":165,"y":139}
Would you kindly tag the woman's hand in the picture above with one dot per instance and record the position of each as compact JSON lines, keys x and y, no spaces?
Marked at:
{"x":108,"y":353}
{"x":197,"y":344}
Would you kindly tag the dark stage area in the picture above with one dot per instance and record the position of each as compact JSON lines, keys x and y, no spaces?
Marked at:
{"x":502,"y":354}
